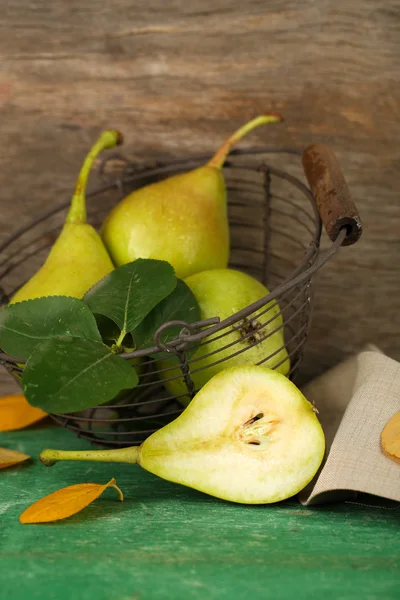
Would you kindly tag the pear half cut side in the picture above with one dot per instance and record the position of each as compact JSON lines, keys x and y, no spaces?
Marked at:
{"x":248,"y":436}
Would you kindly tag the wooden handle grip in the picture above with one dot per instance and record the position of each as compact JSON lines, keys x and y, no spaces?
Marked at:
{"x":331,"y":193}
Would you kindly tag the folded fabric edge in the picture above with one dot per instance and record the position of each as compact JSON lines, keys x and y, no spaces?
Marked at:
{"x":306,"y":496}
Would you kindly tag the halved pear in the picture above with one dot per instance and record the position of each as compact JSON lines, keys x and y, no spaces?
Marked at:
{"x":249,"y":436}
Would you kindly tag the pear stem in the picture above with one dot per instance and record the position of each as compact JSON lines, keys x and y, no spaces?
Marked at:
{"x":120,"y":455}
{"x":219,"y":158}
{"x":77,"y":211}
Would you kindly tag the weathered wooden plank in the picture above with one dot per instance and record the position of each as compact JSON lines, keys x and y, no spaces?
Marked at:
{"x":178,"y":77}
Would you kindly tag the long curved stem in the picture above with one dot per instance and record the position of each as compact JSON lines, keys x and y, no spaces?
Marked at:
{"x":219,"y":157}
{"x":120,"y":455}
{"x":77,"y":211}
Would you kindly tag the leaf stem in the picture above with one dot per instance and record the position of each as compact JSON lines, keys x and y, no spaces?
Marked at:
{"x":119,"y":341}
{"x":113,"y":484}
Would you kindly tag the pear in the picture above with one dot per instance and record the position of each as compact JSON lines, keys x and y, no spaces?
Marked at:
{"x":222,"y":293}
{"x":78,"y":258}
{"x":249,"y":436}
{"x":182,"y":219}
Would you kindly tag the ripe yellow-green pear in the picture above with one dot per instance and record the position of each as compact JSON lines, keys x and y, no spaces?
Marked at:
{"x":78,"y":258}
{"x":182,"y":219}
{"x":249,"y":436}
{"x":222,"y":293}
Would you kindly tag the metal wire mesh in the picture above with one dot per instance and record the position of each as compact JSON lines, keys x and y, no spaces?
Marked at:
{"x":275,"y":232}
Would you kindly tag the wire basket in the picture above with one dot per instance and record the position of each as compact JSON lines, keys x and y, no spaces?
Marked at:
{"x":275,"y":224}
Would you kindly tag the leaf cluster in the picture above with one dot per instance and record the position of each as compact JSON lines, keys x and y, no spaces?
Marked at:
{"x":72,"y":348}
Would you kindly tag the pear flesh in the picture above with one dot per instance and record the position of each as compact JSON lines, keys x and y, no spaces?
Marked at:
{"x":249,"y":436}
{"x":223,"y":292}
{"x":182,"y":219}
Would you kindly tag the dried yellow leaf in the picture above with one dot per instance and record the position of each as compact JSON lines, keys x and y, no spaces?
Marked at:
{"x":66,"y":502}
{"x":390,"y":437}
{"x":8,"y":458}
{"x":16,"y":413}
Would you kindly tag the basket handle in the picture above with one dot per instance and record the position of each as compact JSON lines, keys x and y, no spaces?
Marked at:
{"x":332,"y":195}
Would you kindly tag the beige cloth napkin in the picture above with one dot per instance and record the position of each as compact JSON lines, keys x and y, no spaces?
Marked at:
{"x":355,"y":400}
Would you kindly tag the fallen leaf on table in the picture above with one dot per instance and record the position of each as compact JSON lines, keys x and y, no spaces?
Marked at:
{"x":390,"y":438}
{"x":16,"y":413}
{"x":8,"y":458}
{"x":66,"y":502}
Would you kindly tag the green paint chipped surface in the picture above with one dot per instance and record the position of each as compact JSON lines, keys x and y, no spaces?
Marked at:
{"x":168,"y":542}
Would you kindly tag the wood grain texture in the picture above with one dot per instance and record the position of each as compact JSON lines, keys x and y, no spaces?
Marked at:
{"x":178,"y":77}
{"x":166,"y":541}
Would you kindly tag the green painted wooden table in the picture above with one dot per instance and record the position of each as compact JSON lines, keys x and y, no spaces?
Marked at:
{"x":169,"y":542}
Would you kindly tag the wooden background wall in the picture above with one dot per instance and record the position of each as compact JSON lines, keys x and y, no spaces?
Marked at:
{"x":178,"y":76}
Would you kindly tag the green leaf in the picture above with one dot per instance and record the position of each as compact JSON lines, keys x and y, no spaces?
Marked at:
{"x":129,"y":293}
{"x":71,"y":374}
{"x":24,"y":325}
{"x":180,"y":305}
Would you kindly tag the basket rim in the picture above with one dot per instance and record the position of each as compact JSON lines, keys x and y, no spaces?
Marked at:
{"x":203,"y":329}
